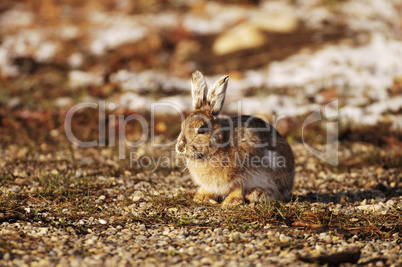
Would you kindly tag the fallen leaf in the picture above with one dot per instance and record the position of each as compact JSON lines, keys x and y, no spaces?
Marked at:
{"x":305,"y":224}
{"x":336,"y":259}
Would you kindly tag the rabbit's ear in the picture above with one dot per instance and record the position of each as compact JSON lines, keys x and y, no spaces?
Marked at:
{"x":216,"y":95}
{"x":198,"y":89}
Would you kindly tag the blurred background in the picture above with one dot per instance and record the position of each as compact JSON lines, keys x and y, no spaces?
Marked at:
{"x":283,"y":57}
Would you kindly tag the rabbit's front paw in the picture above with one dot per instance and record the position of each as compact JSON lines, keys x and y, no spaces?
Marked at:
{"x":235,"y":198}
{"x":258,"y":195}
{"x":203,"y":196}
{"x":232,"y":202}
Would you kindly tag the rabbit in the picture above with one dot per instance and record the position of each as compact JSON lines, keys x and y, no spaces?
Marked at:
{"x":232,"y":158}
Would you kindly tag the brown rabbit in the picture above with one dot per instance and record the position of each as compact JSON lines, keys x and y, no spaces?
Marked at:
{"x":236,"y":158}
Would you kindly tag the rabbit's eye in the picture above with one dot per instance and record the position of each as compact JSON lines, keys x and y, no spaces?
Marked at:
{"x":203,"y":129}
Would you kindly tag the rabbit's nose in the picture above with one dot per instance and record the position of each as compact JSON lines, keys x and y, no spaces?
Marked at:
{"x":180,"y":147}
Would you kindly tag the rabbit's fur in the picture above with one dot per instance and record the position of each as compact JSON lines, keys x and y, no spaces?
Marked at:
{"x":234,"y":158}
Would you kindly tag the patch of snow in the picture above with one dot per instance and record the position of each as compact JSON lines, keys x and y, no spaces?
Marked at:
{"x":13,"y":19}
{"x":162,"y":21}
{"x":174,"y":104}
{"x":148,"y":81}
{"x":46,"y":52}
{"x":357,"y":15}
{"x":349,"y":69}
{"x":394,"y":104}
{"x":370,"y":15}
{"x":135,"y":102}
{"x":77,"y":79}
{"x":273,"y":104}
{"x":31,"y":43}
{"x":63,"y":102}
{"x":75,"y":60}
{"x":217,"y":18}
{"x":113,"y":31}
{"x":68,"y":32}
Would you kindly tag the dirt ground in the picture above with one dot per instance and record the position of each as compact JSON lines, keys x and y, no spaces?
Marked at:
{"x":62,"y":204}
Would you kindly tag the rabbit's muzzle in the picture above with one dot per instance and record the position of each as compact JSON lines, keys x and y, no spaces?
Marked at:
{"x":190,"y":151}
{"x":180,"y":146}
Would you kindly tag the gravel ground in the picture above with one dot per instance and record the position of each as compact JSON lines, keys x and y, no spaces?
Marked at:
{"x":62,"y":205}
{"x":56,"y":211}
